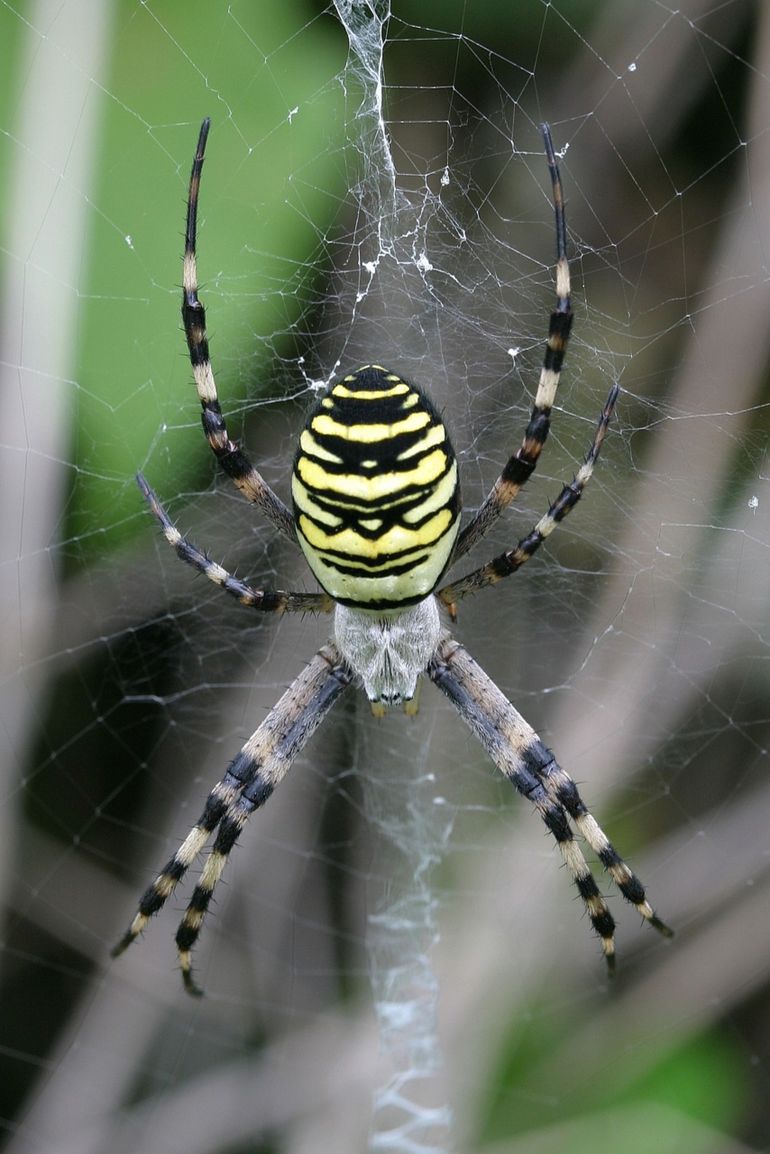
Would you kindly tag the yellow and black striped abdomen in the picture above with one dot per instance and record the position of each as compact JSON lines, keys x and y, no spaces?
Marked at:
{"x":376,"y":494}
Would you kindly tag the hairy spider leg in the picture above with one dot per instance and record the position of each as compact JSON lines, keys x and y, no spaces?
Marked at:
{"x":521,"y":465}
{"x":508,"y":562}
{"x":160,"y":890}
{"x":230,"y":456}
{"x":563,"y":790}
{"x":531,"y":768}
{"x":267,"y":600}
{"x":249,"y":781}
{"x":285,"y":731}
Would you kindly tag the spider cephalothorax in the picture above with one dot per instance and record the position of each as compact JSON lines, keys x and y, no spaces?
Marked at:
{"x":376,"y":513}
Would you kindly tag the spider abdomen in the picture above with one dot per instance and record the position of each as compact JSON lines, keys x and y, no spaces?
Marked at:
{"x":376,"y":494}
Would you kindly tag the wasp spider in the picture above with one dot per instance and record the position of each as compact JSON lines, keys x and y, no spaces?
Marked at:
{"x":376,"y":511}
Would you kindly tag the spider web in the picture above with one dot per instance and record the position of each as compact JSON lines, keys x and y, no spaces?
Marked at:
{"x":395,"y":960}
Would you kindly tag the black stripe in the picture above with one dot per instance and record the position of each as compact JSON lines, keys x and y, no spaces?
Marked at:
{"x":351,"y":520}
{"x":416,"y":494}
{"x":556,"y":821}
{"x":375,"y":603}
{"x":632,"y":890}
{"x":187,"y":936}
{"x":384,"y":453}
{"x":200,"y":899}
{"x":401,"y":501}
{"x":560,"y":326}
{"x":392,"y":504}
{"x":517,"y":471}
{"x":370,"y":378}
{"x":230,"y":829}
{"x":374,"y":535}
{"x":152,"y":899}
{"x":385,"y":458}
{"x":567,"y":499}
{"x":212,"y":813}
{"x":568,"y":795}
{"x":603,"y":923}
{"x":384,"y":410}
{"x":587,"y":887}
{"x":384,"y":562}
{"x":213,"y":420}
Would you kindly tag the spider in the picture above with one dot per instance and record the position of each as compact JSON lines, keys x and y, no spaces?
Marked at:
{"x":376,"y":512}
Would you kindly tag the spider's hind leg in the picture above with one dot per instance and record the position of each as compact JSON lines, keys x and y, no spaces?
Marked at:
{"x":261,"y":764}
{"x":556,"y":821}
{"x":517,"y":751}
{"x":159,"y":891}
{"x":531,"y":768}
{"x":248,"y":783}
{"x":563,"y":790}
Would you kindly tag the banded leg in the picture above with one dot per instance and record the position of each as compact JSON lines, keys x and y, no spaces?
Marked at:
{"x":249,"y":781}
{"x":517,"y":750}
{"x":157,"y":894}
{"x":521,"y":465}
{"x":268,"y":600}
{"x":563,"y":790}
{"x":230,"y":456}
{"x":508,"y":562}
{"x":268,"y":755}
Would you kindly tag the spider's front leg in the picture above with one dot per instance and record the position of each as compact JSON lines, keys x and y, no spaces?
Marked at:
{"x":517,"y":750}
{"x":520,"y":467}
{"x":230,"y":455}
{"x":249,"y":781}
{"x":512,"y":560}
{"x":267,"y":600}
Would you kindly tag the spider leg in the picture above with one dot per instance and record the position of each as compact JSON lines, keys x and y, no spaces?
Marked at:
{"x":513,"y":559}
{"x":517,"y":750}
{"x":248,"y":783}
{"x":266,"y":757}
{"x":156,"y":895}
{"x":563,"y":790}
{"x":270,"y":601}
{"x":230,"y":456}
{"x":521,"y":465}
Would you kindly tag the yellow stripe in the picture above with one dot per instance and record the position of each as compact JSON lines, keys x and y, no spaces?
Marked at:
{"x":363,"y":368}
{"x":307,"y":504}
{"x":374,"y":488}
{"x":309,"y":444}
{"x":325,"y":426}
{"x":436,"y":435}
{"x":395,"y":540}
{"x":369,"y":394}
{"x":438,"y":499}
